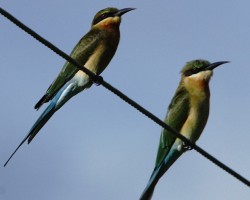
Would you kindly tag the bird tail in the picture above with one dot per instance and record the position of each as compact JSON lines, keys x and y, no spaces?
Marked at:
{"x":149,"y":190}
{"x":41,"y":121}
{"x":158,"y":172}
{"x":62,"y":96}
{"x":44,"y":117}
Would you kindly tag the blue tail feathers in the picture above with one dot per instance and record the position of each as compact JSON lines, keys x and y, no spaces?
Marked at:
{"x":159,"y":170}
{"x":45,"y":116}
{"x":62,"y":96}
{"x":41,"y":121}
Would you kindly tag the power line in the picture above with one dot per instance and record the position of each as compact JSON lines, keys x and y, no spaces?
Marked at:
{"x":98,"y":80}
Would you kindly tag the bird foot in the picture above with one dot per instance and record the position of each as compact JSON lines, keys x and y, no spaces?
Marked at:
{"x":187,"y":147}
{"x":98,"y":80}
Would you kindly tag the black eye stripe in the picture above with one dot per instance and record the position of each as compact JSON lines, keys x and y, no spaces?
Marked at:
{"x":192,"y":71}
{"x":102,"y":17}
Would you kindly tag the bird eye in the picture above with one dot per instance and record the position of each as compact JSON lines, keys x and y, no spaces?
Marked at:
{"x":104,"y":15}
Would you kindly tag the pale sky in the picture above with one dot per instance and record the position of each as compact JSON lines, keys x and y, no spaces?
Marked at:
{"x":97,"y":146}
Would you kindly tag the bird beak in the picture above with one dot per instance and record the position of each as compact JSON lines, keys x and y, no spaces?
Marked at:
{"x":123,"y":11}
{"x":216,"y":64}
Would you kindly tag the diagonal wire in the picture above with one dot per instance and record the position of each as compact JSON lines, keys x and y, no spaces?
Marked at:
{"x":98,"y":80}
{"x":184,"y":139}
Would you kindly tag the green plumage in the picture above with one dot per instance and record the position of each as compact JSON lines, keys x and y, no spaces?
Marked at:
{"x":187,"y":114}
{"x":86,"y":47}
{"x":178,"y":110}
{"x":105,"y":36}
{"x":94,"y":51}
{"x":177,"y":114}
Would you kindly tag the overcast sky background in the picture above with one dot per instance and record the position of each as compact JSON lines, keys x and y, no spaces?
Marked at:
{"x":97,"y":146}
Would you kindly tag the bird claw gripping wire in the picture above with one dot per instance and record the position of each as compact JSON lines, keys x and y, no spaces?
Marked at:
{"x":187,"y":147}
{"x":97,"y":80}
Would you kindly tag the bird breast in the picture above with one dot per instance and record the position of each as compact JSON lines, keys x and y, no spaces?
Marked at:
{"x":199,"y":95}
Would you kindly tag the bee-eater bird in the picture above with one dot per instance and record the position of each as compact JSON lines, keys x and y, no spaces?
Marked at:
{"x":187,"y":114}
{"x":94,"y":51}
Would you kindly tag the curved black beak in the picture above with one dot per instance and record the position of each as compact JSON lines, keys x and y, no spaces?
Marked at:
{"x":216,"y":64}
{"x":123,"y":11}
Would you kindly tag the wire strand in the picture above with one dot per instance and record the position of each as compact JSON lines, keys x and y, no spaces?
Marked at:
{"x":98,"y":80}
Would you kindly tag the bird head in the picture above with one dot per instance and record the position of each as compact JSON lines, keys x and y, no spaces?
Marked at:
{"x":196,"y":75}
{"x":109,"y":16}
{"x":200,"y":69}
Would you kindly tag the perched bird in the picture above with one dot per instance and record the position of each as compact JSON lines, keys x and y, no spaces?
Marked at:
{"x":94,"y":51}
{"x":187,"y":114}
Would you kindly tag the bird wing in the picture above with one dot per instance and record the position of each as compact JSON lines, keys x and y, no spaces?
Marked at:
{"x":81,"y":52}
{"x":176,"y":116}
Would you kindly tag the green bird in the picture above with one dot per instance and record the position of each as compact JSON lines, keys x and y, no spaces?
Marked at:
{"x":94,"y":51}
{"x":187,"y":114}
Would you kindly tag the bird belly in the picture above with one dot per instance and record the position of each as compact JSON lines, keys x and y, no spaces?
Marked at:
{"x":196,"y":120}
{"x":93,"y":63}
{"x":81,"y":79}
{"x":95,"y":60}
